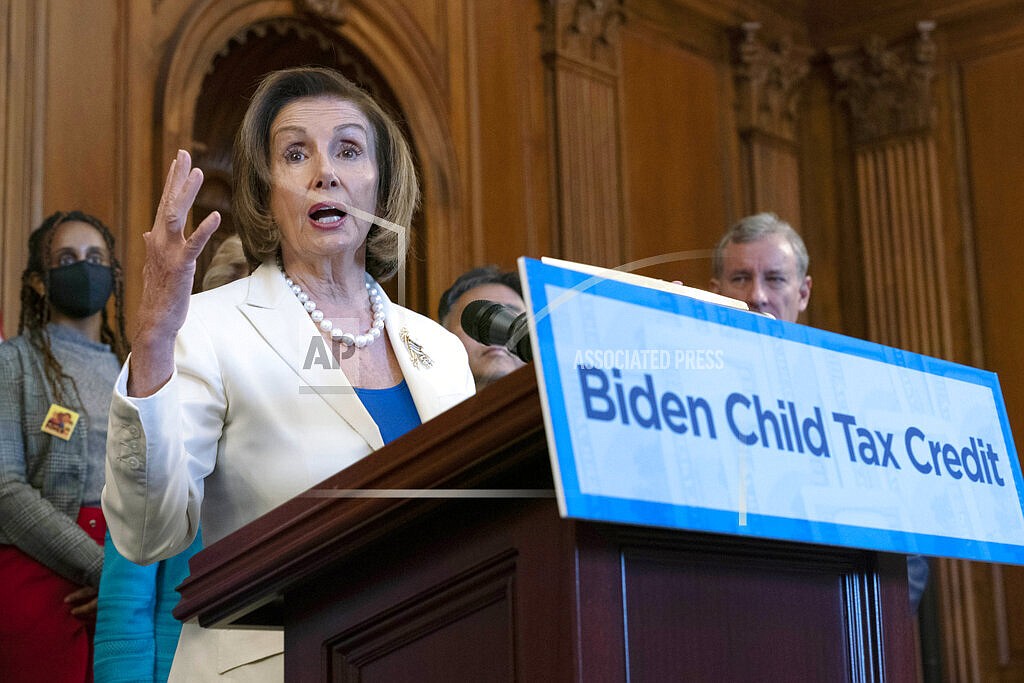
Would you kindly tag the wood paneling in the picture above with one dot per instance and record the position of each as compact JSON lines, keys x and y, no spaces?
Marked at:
{"x":588,"y":161}
{"x":462,"y":626}
{"x":510,"y":174}
{"x":996,"y":165}
{"x":82,"y":132}
{"x":827,"y":188}
{"x":430,"y":16}
{"x":901,"y":228}
{"x":22,"y":133}
{"x":676,"y":121}
{"x":772,"y":176}
{"x":995,"y":146}
{"x":582,"y":52}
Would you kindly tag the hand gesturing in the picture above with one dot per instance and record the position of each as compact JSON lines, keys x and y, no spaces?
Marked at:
{"x":167,"y":277}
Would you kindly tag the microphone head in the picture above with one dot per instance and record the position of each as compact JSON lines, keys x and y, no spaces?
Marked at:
{"x":487,"y":322}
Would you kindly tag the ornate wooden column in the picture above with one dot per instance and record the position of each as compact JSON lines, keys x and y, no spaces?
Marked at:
{"x":888,"y":94}
{"x":768,"y":80}
{"x":581,"y":50}
{"x":892,"y":117}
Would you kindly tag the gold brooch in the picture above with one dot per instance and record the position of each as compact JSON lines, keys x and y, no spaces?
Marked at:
{"x":416,"y":353}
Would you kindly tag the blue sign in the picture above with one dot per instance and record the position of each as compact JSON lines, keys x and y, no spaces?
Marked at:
{"x":669,"y":411}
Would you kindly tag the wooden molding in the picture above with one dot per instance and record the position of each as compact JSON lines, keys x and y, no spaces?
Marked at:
{"x":331,"y":11}
{"x":768,"y":79}
{"x":586,"y":30}
{"x":582,"y":53}
{"x":901,"y":229}
{"x":887,"y":90}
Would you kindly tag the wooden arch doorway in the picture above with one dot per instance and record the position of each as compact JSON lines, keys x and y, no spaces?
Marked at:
{"x":226,"y":89}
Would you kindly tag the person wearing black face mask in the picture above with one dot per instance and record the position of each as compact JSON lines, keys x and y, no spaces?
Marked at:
{"x":80,"y":290}
{"x":56,"y":378}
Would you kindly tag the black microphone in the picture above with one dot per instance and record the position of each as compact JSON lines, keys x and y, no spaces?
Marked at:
{"x":494,"y":324}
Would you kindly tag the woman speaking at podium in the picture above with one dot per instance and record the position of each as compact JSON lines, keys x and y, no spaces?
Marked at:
{"x":237,"y":399}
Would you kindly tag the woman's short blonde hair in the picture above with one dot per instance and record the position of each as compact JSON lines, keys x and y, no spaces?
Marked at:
{"x":398,"y":190}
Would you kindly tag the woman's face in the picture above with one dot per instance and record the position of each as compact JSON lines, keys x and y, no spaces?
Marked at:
{"x":75,"y":241}
{"x":322,"y":159}
{"x":75,"y":294}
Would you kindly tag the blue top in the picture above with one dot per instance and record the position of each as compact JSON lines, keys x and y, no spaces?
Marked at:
{"x":136,"y":634}
{"x":392,"y":409}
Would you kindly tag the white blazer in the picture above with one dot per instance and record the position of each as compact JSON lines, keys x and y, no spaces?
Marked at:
{"x":253,"y":415}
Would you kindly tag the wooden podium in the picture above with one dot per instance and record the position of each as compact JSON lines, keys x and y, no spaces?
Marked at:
{"x":373,"y":578}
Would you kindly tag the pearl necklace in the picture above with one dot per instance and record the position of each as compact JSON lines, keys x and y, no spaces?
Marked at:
{"x":346,"y":338}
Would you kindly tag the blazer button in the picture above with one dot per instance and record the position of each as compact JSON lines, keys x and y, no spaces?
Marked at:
{"x":133,"y":463}
{"x":92,"y":523}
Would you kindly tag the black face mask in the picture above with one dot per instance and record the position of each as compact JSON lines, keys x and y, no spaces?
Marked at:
{"x":80,"y":289}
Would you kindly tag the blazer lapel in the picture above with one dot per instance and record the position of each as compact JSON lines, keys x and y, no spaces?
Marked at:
{"x":283,"y":323}
{"x":417,"y":356}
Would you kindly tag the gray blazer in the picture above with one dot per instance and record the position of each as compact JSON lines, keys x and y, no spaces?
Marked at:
{"x":41,"y":476}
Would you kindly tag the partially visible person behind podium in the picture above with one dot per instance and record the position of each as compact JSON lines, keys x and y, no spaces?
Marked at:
{"x":227,"y":265}
{"x":227,"y":407}
{"x":488,"y":363}
{"x":763,"y":261}
{"x":55,"y":382}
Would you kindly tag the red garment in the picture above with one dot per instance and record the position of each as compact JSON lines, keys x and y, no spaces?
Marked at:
{"x":40,"y":640}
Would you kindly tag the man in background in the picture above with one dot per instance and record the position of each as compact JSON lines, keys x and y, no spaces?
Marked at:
{"x":488,"y":363}
{"x":762,"y":261}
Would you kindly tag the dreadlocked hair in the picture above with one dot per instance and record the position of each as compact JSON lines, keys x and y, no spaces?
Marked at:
{"x":35,"y":308}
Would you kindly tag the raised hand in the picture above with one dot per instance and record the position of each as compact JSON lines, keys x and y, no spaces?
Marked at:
{"x":167,"y":277}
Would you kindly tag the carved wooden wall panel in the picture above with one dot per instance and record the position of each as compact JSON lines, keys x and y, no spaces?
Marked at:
{"x":23,"y":46}
{"x":432,"y":17}
{"x":582,"y":50}
{"x":769,"y":81}
{"x":588,"y":163}
{"x":80,"y":133}
{"x":995,"y":166}
{"x":677,"y":168}
{"x":505,"y":121}
{"x":771,"y":177}
{"x":826,"y":188}
{"x":901,"y":226}
{"x":886,"y":90}
{"x":900,"y":221}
